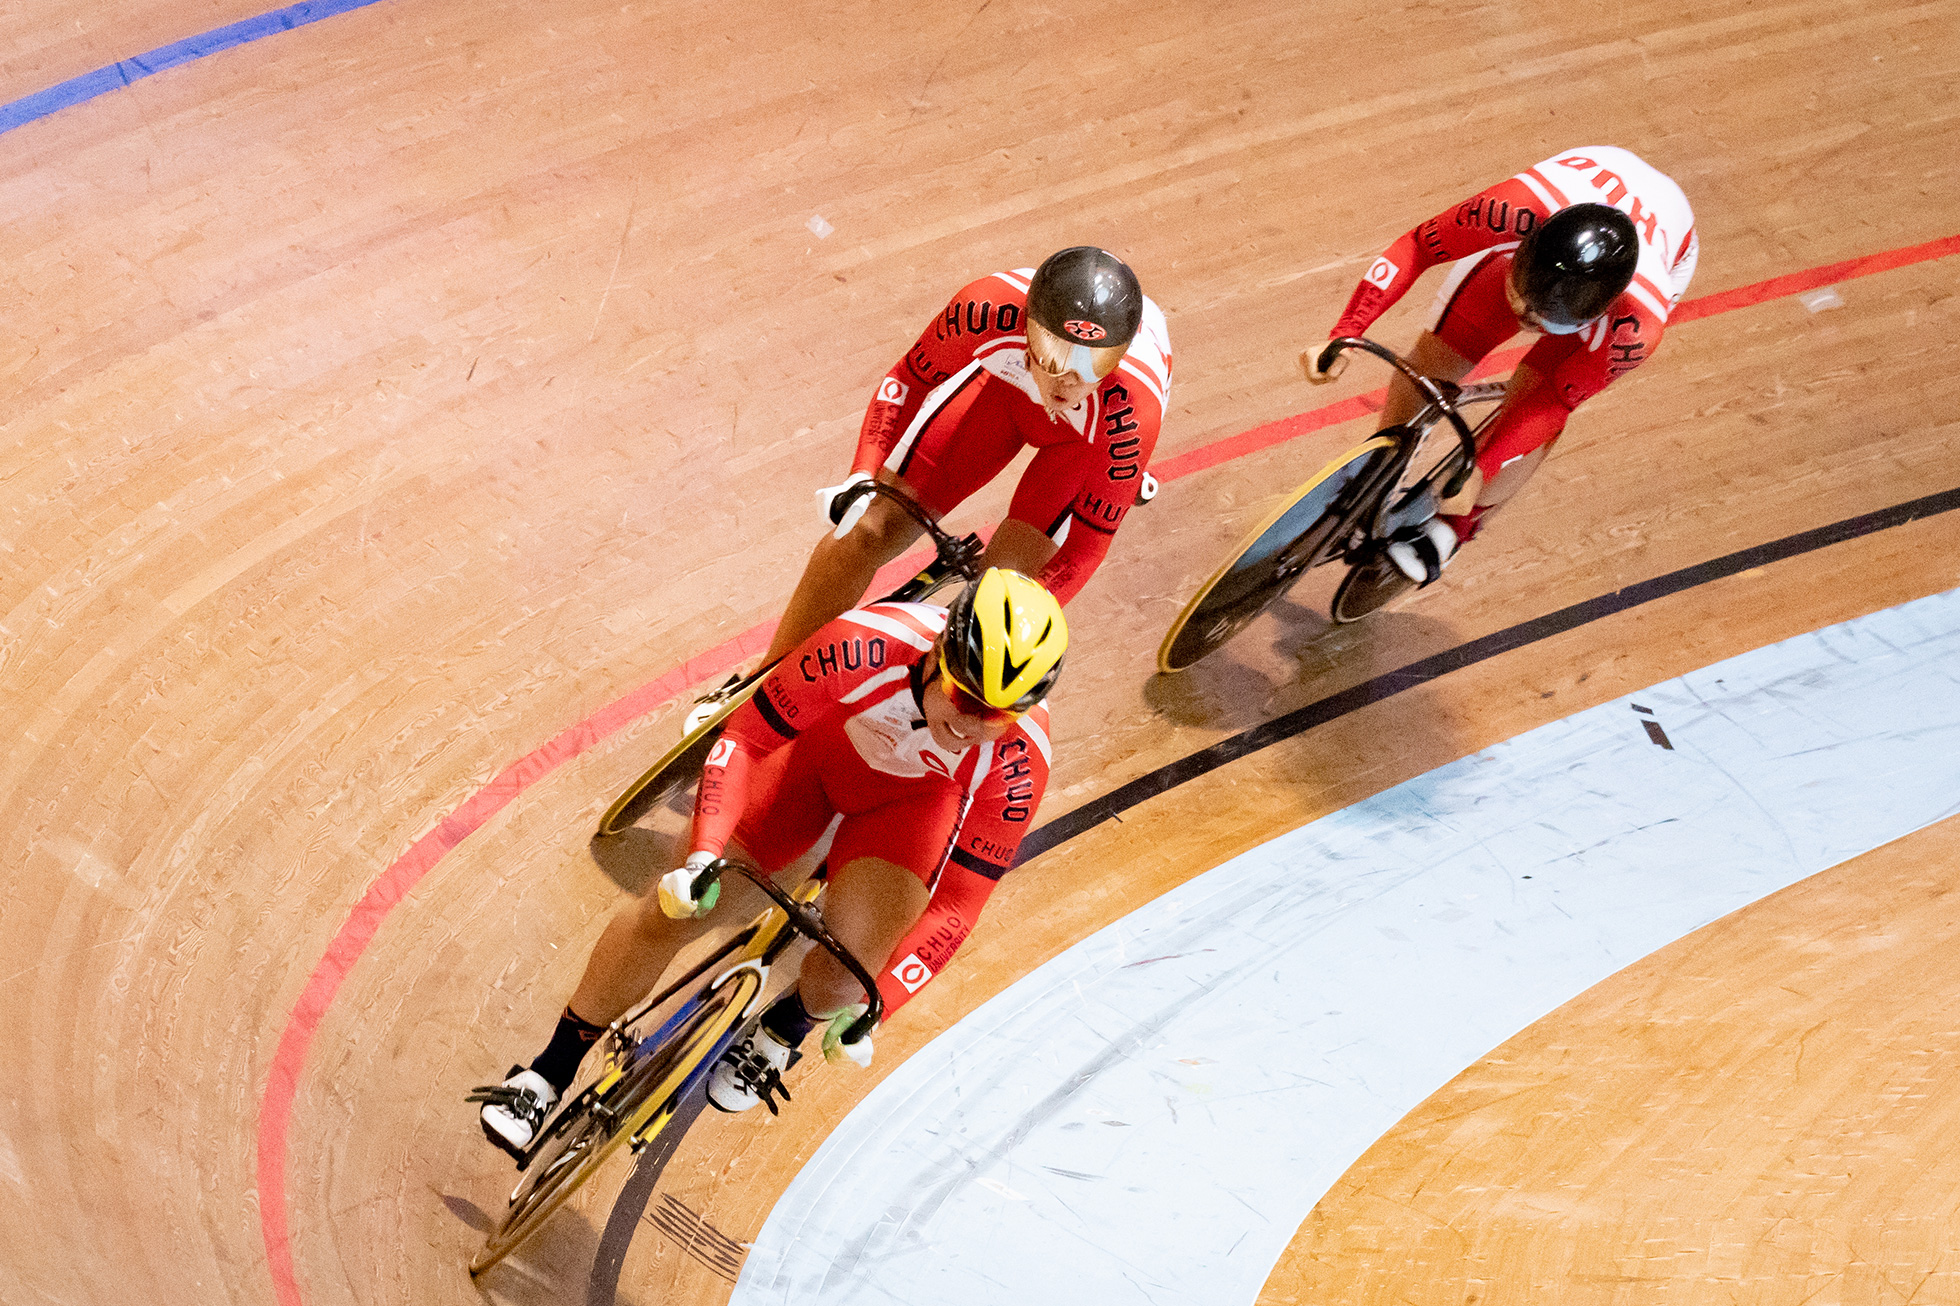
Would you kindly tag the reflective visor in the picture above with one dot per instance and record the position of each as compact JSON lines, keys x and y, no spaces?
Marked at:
{"x":1529,"y":319}
{"x":966,"y":702}
{"x":1058,"y":356}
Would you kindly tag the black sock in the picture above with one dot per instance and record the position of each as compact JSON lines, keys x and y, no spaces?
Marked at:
{"x":788,"y":1019}
{"x":558,"y":1063}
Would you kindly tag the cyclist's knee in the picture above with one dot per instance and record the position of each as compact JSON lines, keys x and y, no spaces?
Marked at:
{"x":649,"y":922}
{"x":882,"y":533}
{"x":825,"y":984}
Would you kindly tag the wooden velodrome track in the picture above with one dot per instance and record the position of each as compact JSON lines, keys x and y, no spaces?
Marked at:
{"x":385,"y":398}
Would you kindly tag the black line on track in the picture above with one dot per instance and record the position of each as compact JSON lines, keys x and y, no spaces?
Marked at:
{"x":624,"y":1220}
{"x":1166,"y":778}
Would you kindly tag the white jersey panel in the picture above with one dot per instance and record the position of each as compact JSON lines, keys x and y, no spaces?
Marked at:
{"x":1607,"y":174}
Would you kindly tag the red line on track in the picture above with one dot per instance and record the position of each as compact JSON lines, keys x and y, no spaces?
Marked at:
{"x":282,"y":1083}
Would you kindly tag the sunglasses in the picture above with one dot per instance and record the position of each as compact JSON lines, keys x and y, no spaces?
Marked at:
{"x":967,"y":704}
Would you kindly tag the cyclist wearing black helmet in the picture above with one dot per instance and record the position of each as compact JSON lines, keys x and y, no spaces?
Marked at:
{"x":1071,"y":358}
{"x":1591,"y":249}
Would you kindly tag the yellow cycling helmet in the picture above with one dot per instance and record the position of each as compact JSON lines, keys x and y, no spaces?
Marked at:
{"x":1004,"y":640}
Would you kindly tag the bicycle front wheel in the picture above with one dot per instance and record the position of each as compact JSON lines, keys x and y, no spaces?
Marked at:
{"x":1301,"y":533}
{"x":623,"y":1105}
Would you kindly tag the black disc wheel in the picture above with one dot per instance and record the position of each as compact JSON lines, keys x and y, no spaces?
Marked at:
{"x":1304,"y":532}
{"x":1369,"y":585}
{"x":622,"y":1105}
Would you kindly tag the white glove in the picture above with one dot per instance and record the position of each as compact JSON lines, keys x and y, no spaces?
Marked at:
{"x":677,"y":889}
{"x":1310,"y":364}
{"x":828,"y":496}
{"x":835,"y":1050}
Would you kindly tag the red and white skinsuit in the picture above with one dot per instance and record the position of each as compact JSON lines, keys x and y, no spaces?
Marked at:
{"x":838,"y":728}
{"x":957,"y":408}
{"x":1473,"y":317}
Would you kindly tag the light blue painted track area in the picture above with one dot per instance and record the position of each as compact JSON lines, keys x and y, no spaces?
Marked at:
{"x":1149,"y":1117}
{"x":124,"y":71}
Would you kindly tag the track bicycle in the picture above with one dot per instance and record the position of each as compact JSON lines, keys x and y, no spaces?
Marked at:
{"x":1346,"y":513}
{"x":647,"y":1074}
{"x":681,"y":765}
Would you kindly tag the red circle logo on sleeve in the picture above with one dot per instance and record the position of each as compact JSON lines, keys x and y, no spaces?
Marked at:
{"x":912,"y":973}
{"x":1084,"y":330}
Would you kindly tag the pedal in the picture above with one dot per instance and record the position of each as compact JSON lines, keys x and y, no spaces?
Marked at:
{"x":503,"y":1095}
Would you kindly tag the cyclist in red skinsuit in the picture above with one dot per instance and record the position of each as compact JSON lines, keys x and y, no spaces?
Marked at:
{"x":926,"y":731}
{"x":1479,"y":308}
{"x":976,"y":387}
{"x":851,"y":701}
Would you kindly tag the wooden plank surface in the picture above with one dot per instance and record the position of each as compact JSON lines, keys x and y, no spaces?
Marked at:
{"x":382,"y":399}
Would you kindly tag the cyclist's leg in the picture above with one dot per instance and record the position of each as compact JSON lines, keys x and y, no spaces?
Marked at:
{"x":1020,"y":546}
{"x":840,"y":571}
{"x":882,"y":865}
{"x":1434,"y":358}
{"x":1043,"y":536}
{"x":1470,"y":318}
{"x":869,"y":904}
{"x":641,"y":941}
{"x":960,"y":448}
{"x":1518,"y":439}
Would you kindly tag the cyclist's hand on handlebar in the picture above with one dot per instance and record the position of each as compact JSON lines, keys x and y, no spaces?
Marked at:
{"x":843,"y":518}
{"x":678,"y":897}
{"x":835,"y":1050}
{"x":1310,"y":364}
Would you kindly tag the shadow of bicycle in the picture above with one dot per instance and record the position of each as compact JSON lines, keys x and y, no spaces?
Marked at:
{"x":1289,"y":657}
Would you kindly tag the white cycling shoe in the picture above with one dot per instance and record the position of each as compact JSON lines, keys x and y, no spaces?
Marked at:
{"x":1421,"y":552}
{"x":751,"y":1072}
{"x":515,"y":1110}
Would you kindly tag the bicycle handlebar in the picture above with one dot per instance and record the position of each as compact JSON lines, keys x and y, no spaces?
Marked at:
{"x":962,"y":555}
{"x":807,"y":923}
{"x":1432,"y":390}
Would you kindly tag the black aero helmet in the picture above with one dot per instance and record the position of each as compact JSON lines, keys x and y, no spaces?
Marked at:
{"x":1574,"y":264}
{"x":1087,"y":297}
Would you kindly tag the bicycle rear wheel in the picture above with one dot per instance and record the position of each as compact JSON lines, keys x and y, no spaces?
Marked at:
{"x":621,"y":1106}
{"x":681,"y":765}
{"x":1300,"y":534}
{"x":678,"y":768}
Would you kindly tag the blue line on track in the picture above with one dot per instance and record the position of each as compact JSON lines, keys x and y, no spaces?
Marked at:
{"x":123,"y":72}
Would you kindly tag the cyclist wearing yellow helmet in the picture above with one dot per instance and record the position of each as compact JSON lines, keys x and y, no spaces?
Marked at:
{"x":925,"y":730}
